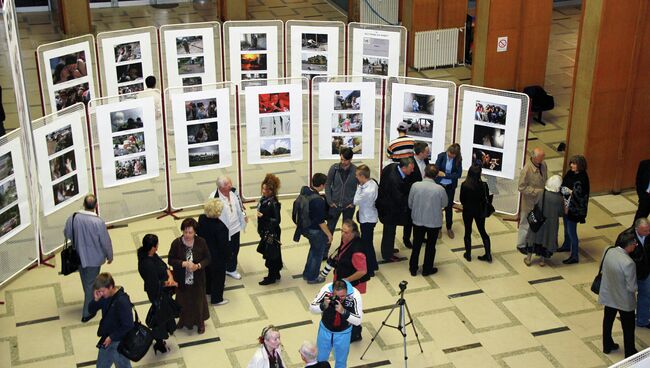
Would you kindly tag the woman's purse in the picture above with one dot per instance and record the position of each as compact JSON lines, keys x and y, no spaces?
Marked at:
{"x":488,"y":208}
{"x":595,"y":285}
{"x":269,"y":246}
{"x":137,"y":341}
{"x":536,"y":217}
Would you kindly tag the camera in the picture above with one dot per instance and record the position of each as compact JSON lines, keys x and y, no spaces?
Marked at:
{"x":330,"y":264}
{"x":334,"y":299}
{"x":402,"y":285}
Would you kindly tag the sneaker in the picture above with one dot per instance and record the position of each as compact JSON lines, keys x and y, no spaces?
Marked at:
{"x":234,"y":274}
{"x":225,"y":301}
{"x":318,"y":280}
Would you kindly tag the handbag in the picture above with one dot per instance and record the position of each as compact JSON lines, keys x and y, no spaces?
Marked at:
{"x":488,"y":209}
{"x":70,"y":260}
{"x":269,"y":246}
{"x":137,"y":341}
{"x":536,"y":217}
{"x":595,"y":285}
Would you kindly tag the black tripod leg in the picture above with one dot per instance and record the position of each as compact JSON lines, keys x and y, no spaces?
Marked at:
{"x":383,"y":323}
{"x":408,"y":311}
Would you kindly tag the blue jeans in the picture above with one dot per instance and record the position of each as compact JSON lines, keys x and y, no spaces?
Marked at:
{"x":339,"y":341}
{"x":87,"y":275}
{"x":643,"y":302}
{"x":449,"y":213}
{"x":317,"y":248}
{"x":109,"y":356}
{"x":571,"y":237}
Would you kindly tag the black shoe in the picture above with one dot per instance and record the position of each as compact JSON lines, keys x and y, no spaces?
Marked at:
{"x":267,"y":281}
{"x":427,"y":273}
{"x":160,"y":347}
{"x":88,"y":317}
{"x":485,"y":258}
{"x":395,"y":250}
{"x":467,"y":256}
{"x":522,"y":250}
{"x":609,"y":349}
{"x":277,"y":276}
{"x":563,"y":249}
{"x":414,"y":273}
{"x":407,"y":243}
{"x":356,"y":338}
{"x":570,"y":261}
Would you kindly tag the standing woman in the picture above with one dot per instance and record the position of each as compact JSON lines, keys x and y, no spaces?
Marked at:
{"x":215,"y":234}
{"x":268,"y":227}
{"x":450,"y":164}
{"x":544,"y":241}
{"x":158,"y":284}
{"x":268,"y":354}
{"x":473,"y":197}
{"x":575,"y":186}
{"x":189,"y":255}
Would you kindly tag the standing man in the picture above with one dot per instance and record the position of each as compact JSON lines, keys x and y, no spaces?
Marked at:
{"x":233,"y":216}
{"x":402,"y":146}
{"x":91,"y":239}
{"x":641,"y":257}
{"x":340,"y":188}
{"x":392,"y":203}
{"x":422,"y":154}
{"x":643,"y":189}
{"x":365,"y":198}
{"x":450,"y":169}
{"x":316,"y":231}
{"x":532,"y":179}
{"x":426,"y":201}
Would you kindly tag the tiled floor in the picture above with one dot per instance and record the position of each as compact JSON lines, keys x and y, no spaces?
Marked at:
{"x":467,"y":315}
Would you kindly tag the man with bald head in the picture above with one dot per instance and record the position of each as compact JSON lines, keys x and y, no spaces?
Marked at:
{"x":531,"y":186}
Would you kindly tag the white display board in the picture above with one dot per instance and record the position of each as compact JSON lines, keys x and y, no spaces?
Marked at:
{"x":128,"y":142}
{"x":15,"y":213}
{"x":202,"y":130}
{"x":127,"y":61}
{"x":274,"y":123}
{"x":315,"y":50}
{"x":61,"y":161}
{"x":346,"y":119}
{"x":489,"y":132}
{"x":190,"y":55}
{"x":376,"y":52}
{"x":253,"y":52}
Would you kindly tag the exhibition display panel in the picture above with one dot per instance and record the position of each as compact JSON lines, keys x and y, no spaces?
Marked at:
{"x":376,"y":50}
{"x":315,"y":48}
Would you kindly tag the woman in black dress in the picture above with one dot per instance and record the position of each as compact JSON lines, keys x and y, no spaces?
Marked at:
{"x":158,"y":284}
{"x":215,"y":233}
{"x":473,"y":197}
{"x":268,"y":227}
{"x":575,"y":188}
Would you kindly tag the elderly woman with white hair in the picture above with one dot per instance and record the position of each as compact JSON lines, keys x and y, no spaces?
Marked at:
{"x":544,"y":242}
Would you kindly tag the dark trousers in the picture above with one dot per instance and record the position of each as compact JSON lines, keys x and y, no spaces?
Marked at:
{"x":367,"y":232}
{"x":451,"y":191}
{"x":334,"y":213}
{"x":480,"y":224}
{"x":406,"y":234}
{"x":233,"y":245}
{"x":274,"y":266}
{"x":215,"y":280}
{"x":644,"y":208}
{"x":627,"y":322}
{"x":429,"y":251}
{"x":388,"y":241}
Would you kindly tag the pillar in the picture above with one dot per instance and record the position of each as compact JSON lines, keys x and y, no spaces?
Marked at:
{"x":74,"y":16}
{"x":234,"y":9}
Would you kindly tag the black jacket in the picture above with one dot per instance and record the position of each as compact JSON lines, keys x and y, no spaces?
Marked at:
{"x":344,"y":266}
{"x":640,"y":255}
{"x":271,"y":217}
{"x":215,"y":233}
{"x":579,"y":200}
{"x":642,"y":180}
{"x":392,"y":199}
{"x":153,"y":271}
{"x":472,"y":198}
{"x":416,"y":175}
{"x":117,"y":317}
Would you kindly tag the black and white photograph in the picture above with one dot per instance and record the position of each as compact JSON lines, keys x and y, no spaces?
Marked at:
{"x":192,"y":81}
{"x":131,"y":88}
{"x":347,"y":100}
{"x":126,"y":120}
{"x":314,"y":62}
{"x":314,"y":42}
{"x":129,"y":72}
{"x":253,"y":62}
{"x":65,"y":189}
{"x":7,"y":165}
{"x":191,"y":65}
{"x":131,"y":167}
{"x":69,"y":96}
{"x":253,"y":41}
{"x":419,"y":104}
{"x":58,"y":140}
{"x":275,"y":147}
{"x":9,"y":220}
{"x":353,"y":142}
{"x":128,"y":144}
{"x":63,"y":165}
{"x":419,"y":127}
{"x":189,"y":45}
{"x":489,"y":137}
{"x":347,"y":123}
{"x":127,"y":52}
{"x":201,"y":133}
{"x":487,"y":159}
{"x":201,"y":156}
{"x":488,"y":112}
{"x":8,"y":193}
{"x":375,"y":66}
{"x":251,"y":76}
{"x":201,"y":109}
{"x":375,"y":47}
{"x":68,"y":67}
{"x":273,"y":126}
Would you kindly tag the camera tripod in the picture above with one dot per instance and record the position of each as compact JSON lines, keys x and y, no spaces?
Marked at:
{"x":401,"y":326}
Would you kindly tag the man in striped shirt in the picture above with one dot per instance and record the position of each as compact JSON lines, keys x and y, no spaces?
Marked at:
{"x":402,"y":146}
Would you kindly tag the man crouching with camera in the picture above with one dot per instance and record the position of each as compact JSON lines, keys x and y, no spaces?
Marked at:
{"x":340,"y":305}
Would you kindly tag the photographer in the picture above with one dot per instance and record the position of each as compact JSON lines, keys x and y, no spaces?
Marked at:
{"x":340,"y":305}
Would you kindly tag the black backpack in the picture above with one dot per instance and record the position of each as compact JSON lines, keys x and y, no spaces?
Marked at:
{"x":300,"y":210}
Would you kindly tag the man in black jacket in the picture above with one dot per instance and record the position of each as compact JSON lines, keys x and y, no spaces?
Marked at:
{"x":641,"y":257}
{"x":421,"y":158}
{"x":309,"y":353}
{"x":643,"y":189}
{"x":392,"y":203}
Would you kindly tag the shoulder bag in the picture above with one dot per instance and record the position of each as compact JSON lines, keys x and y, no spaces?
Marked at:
{"x":70,"y":260}
{"x":595,"y":285}
{"x":137,"y":341}
{"x":536,"y":217}
{"x":488,"y":208}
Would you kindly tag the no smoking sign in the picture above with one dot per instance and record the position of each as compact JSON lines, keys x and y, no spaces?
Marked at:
{"x":502,"y":44}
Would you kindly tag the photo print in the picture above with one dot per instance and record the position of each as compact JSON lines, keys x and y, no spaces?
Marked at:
{"x":417,"y":103}
{"x":69,"y":96}
{"x":376,"y":47}
{"x":275,"y":148}
{"x":189,"y":45}
{"x":201,"y":109}
{"x":347,"y":123}
{"x":487,"y":159}
{"x":8,"y":193}
{"x":314,"y":62}
{"x":489,"y":137}
{"x":419,"y":127}
{"x":488,"y":112}
{"x":127,"y":52}
{"x":274,"y":102}
{"x":129,"y":168}
{"x":65,"y":189}
{"x":192,"y":81}
{"x":272,"y":126}
{"x":375,"y":66}
{"x":63,"y":165}
{"x":347,"y":100}
{"x":131,"y":88}
{"x":251,"y":76}
{"x":129,"y":72}
{"x":314,"y":42}
{"x":68,"y":67}
{"x":201,"y":156}
{"x":201,"y":133}
{"x":191,"y":65}
{"x":253,"y":62}
{"x":128,"y":144}
{"x":353,"y":142}
{"x":9,"y":220}
{"x":56,"y":141}
{"x":253,"y":41}
{"x":6,"y":165}
{"x":126,"y":119}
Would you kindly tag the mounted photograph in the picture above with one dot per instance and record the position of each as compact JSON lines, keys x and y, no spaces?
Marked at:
{"x":7,"y":165}
{"x":129,"y":72}
{"x":314,"y":42}
{"x":272,"y":126}
{"x":189,"y":45}
{"x":201,"y":133}
{"x":9,"y":220}
{"x":8,"y":193}
{"x":192,"y":81}
{"x":68,"y":67}
{"x":253,"y":42}
{"x":347,"y":100}
{"x":58,"y":140}
{"x":314,"y":62}
{"x":201,"y":109}
{"x":376,"y":47}
{"x":376,"y":66}
{"x":487,"y":159}
{"x":131,"y":88}
{"x":489,"y":136}
{"x":275,"y":148}
{"x":253,"y":62}
{"x":417,"y":103}
{"x":65,"y":189}
{"x":347,"y":123}
{"x":128,"y":144}
{"x":201,"y":156}
{"x":126,"y":119}
{"x":69,"y":96}
{"x":131,"y":167}
{"x":191,"y":65}
{"x":274,"y":102}
{"x":353,"y":142}
{"x":127,"y":52}
{"x":489,"y":112}
{"x":63,"y":165}
{"x":419,"y":127}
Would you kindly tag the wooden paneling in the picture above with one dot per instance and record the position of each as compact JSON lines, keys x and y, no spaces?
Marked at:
{"x":453,"y":13}
{"x":532,"y":60}
{"x":504,"y":14}
{"x":501,"y":67}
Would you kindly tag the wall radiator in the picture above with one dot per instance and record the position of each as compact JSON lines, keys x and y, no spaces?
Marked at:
{"x":436,"y":48}
{"x":385,"y":11}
